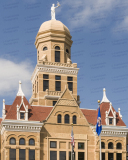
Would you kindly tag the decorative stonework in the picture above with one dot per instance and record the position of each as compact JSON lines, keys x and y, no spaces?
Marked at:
{"x":53,"y":93}
{"x":25,"y":110}
{"x":67,"y":102}
{"x":112,"y":131}
{"x":21,"y":126}
{"x":74,"y":65}
{"x":54,"y":69}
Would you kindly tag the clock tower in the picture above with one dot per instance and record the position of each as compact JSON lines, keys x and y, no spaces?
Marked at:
{"x":54,"y":69}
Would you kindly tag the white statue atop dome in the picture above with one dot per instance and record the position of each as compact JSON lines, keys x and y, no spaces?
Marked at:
{"x":53,"y":10}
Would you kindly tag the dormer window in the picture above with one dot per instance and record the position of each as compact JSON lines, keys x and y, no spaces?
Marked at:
{"x":22,"y":108}
{"x":110,"y":121}
{"x":22,"y":116}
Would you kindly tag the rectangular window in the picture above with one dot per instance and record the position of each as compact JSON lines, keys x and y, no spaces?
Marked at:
{"x":58,"y":85}
{"x":57,"y":56}
{"x":110,"y":156}
{"x":31,"y":154}
{"x":80,"y":145}
{"x":119,"y":156}
{"x":73,"y":154}
{"x":53,"y":144}
{"x":45,"y":76}
{"x":45,"y":85}
{"x":54,"y":102}
{"x":62,"y":155}
{"x":69,"y":78}
{"x":12,"y":154}
{"x":110,"y":120}
{"x":70,"y":86}
{"x":22,"y":116}
{"x":58,"y":77}
{"x":70,"y":83}
{"x":80,"y":155}
{"x":22,"y":155}
{"x":53,"y":155}
{"x":103,"y":156}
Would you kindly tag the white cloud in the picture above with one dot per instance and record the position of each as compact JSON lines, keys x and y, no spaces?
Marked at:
{"x":11,"y":73}
{"x":90,"y":13}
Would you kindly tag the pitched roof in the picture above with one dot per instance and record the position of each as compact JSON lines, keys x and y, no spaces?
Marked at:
{"x":11,"y":110}
{"x":35,"y":113}
{"x":40,"y":113}
{"x":0,"y":120}
{"x":91,"y":115}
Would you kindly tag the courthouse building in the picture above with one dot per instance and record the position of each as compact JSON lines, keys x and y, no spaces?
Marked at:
{"x":41,"y":128}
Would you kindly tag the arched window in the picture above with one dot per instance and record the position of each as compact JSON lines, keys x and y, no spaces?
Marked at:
{"x":66,"y":118}
{"x":45,"y":48}
{"x":118,"y":146}
{"x":22,"y":141}
{"x":110,"y":145}
{"x":13,"y":141}
{"x":31,"y":142}
{"x":67,"y":51}
{"x":102,"y":145}
{"x":59,"y":118}
{"x":57,"y":54}
{"x":74,"y":119}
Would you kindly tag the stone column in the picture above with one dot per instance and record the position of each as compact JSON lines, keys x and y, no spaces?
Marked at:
{"x":106,"y":155}
{"x":7,"y":151}
{"x":97,"y":153}
{"x":124,"y":155}
{"x":27,"y":153}
{"x":114,"y":154}
{"x":37,"y":153}
{"x":17,"y":152}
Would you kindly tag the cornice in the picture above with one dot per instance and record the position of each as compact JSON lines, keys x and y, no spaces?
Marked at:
{"x":54,"y":69}
{"x":113,"y":131}
{"x":25,"y":126}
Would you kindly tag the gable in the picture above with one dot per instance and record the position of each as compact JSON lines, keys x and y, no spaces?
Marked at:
{"x":110,"y":114}
{"x":66,"y":104}
{"x":22,"y":108}
{"x":66,"y":95}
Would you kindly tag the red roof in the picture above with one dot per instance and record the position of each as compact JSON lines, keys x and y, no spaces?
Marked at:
{"x":35,"y":113}
{"x":0,"y":120}
{"x":91,"y":115}
{"x":22,"y":108}
{"x":40,"y":113}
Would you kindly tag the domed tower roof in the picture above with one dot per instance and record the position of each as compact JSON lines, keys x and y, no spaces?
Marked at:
{"x":53,"y":25}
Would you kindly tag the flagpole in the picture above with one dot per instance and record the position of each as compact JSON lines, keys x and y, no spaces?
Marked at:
{"x":100,"y":146}
{"x":100,"y":133}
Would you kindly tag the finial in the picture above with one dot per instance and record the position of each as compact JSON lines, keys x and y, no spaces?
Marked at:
{"x":20,"y":92}
{"x":104,"y":99}
{"x":3,"y":103}
{"x":98,"y":101}
{"x":53,"y":10}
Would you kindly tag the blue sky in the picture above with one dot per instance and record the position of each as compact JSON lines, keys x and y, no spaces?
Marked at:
{"x":99,"y":32}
